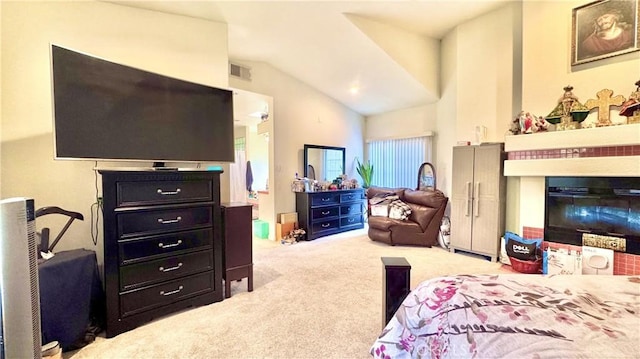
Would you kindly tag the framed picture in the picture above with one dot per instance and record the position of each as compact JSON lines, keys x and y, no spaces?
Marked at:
{"x":604,"y":28}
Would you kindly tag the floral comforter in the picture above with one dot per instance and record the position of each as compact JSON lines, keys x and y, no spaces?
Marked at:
{"x":516,"y":316}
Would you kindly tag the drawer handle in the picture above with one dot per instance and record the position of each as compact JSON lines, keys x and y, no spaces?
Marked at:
{"x":326,"y":199}
{"x":163,"y":269}
{"x":162,"y":245}
{"x":169,"y":221}
{"x":326,"y":225}
{"x":350,"y":197}
{"x":351,"y":220}
{"x":346,"y":210}
{"x":325,"y":213}
{"x":162,"y":292}
{"x":169,"y":193}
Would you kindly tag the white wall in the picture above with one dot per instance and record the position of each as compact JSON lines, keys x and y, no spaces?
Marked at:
{"x":489,"y":74}
{"x":402,"y":123}
{"x":485,"y":73}
{"x":1,"y":67}
{"x":545,"y":76}
{"x":418,"y":55}
{"x":547,"y":69}
{"x":178,"y":46}
{"x":446,"y":112}
{"x":480,"y":83}
{"x":302,"y":115}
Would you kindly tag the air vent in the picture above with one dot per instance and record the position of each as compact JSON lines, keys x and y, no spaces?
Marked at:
{"x":240,"y":72}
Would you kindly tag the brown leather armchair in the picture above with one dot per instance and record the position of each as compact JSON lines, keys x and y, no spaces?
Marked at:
{"x":423,"y":224}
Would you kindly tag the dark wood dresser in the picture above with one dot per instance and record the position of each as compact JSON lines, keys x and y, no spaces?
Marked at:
{"x":162,"y":243}
{"x":237,"y":244}
{"x":330,"y":212}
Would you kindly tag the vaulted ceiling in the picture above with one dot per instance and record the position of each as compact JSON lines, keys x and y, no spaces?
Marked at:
{"x":345,"y":49}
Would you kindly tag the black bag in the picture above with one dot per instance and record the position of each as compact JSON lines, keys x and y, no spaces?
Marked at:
{"x":522,"y":251}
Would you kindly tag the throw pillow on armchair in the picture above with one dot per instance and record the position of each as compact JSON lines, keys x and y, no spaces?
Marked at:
{"x":380,"y":210}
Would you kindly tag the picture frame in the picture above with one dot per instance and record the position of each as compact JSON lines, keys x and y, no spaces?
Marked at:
{"x":604,"y":28}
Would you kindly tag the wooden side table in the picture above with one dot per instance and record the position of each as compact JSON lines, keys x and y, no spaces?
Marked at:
{"x":237,"y":244}
{"x":396,"y":284}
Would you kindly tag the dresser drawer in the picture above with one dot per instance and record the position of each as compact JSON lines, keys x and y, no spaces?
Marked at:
{"x":161,"y":192}
{"x":135,"y":250}
{"x":351,"y":209}
{"x":350,"y":197}
{"x":166,"y":220}
{"x":165,"y":293}
{"x":145,"y":273}
{"x":324,"y":213}
{"x":351,"y":221}
{"x":323,"y":199}
{"x":326,"y":225}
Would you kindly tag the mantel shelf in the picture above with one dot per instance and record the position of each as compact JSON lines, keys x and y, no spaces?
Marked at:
{"x":627,"y":166}
{"x":577,"y":141}
{"x":621,"y":135}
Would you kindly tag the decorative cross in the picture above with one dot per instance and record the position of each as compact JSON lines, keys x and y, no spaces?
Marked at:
{"x":603,"y":103}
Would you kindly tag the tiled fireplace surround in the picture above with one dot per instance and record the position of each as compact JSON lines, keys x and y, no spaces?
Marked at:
{"x":607,"y":151}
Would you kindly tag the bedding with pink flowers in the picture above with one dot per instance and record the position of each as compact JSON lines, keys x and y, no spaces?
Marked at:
{"x":516,"y":316}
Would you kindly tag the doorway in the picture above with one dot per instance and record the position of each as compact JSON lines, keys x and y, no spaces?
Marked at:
{"x":249,"y":174}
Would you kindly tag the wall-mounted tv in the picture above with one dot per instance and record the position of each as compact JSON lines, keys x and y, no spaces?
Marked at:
{"x":109,"y":111}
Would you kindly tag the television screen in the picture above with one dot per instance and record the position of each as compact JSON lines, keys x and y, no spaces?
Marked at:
{"x":607,"y":206}
{"x":589,"y":214}
{"x":108,"y":111}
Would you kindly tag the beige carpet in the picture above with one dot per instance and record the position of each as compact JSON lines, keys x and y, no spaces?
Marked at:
{"x":317,"y":299}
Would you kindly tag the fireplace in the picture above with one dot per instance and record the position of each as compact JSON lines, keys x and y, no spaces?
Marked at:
{"x":601,"y":211}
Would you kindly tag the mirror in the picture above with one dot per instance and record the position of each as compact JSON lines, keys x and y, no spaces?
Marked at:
{"x":426,"y":177}
{"x":323,"y":163}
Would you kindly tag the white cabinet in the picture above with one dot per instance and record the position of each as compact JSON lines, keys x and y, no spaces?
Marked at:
{"x":478,"y":198}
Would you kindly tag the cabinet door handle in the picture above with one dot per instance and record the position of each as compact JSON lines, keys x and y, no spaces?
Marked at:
{"x":162,"y":292}
{"x":326,"y":225}
{"x":468,"y":201}
{"x":164,"y":246}
{"x":169,"y":221}
{"x":325,"y":213}
{"x":476,"y":198}
{"x":168,"y":193}
{"x":163,"y":269}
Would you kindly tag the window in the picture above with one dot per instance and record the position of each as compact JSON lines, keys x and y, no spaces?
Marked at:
{"x":239,"y":143}
{"x":396,"y":161}
{"x":333,"y":164}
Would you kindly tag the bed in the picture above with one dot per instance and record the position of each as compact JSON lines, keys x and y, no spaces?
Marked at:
{"x":516,"y":316}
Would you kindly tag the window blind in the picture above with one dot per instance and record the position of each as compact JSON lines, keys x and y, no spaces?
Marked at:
{"x":396,"y":161}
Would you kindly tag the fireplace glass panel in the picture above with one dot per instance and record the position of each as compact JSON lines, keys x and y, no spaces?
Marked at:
{"x":605,"y":206}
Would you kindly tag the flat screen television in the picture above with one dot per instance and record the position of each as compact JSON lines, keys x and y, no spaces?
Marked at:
{"x":109,"y":111}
